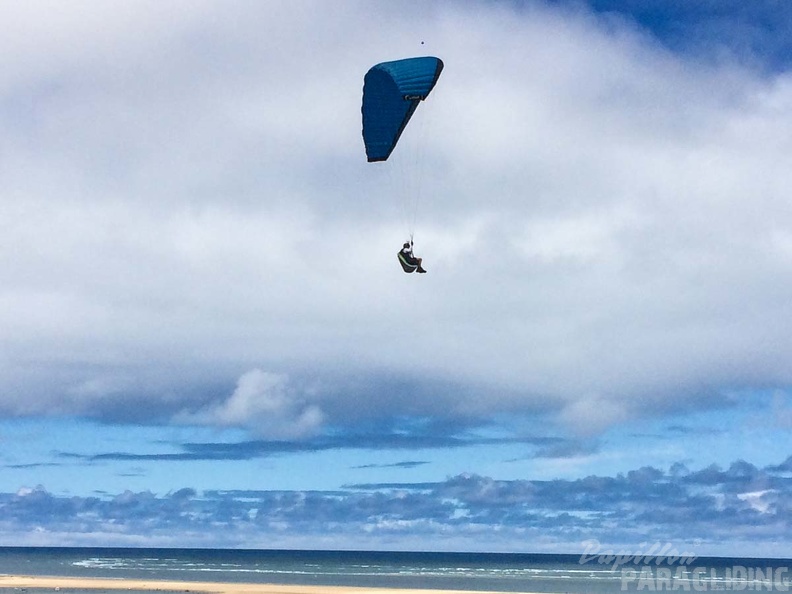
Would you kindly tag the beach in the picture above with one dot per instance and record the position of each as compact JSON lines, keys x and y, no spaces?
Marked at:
{"x":71,"y":583}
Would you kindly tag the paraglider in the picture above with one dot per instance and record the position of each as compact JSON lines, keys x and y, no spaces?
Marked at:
{"x":409,"y":261}
{"x":392,"y":92}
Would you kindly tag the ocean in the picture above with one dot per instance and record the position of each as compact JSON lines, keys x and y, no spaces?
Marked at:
{"x":577,"y":574}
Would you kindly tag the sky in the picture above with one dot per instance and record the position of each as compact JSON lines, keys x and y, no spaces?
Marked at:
{"x":206,"y":339}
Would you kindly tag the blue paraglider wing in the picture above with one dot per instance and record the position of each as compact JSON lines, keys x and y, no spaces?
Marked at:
{"x":391,"y":93}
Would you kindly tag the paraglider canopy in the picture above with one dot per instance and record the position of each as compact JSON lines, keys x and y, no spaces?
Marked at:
{"x":391,"y":93}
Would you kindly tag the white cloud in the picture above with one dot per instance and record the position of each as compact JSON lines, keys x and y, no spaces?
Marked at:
{"x":185,"y":198}
{"x":591,"y":414}
{"x":757,"y":500}
{"x":265,"y":404}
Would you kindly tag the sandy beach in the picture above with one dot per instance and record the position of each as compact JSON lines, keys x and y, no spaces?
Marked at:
{"x":71,"y":583}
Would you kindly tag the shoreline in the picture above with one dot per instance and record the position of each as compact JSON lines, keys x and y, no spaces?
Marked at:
{"x":80,"y":583}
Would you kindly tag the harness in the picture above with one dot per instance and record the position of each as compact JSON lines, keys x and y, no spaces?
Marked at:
{"x":408,"y":268}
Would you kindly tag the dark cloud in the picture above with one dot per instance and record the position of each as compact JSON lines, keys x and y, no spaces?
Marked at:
{"x":248,"y":450}
{"x":33,"y":465}
{"x":683,"y":507}
{"x":785,"y":466}
{"x":567,"y":449}
{"x":686,"y":430}
{"x":427,"y":486}
{"x":404,"y":464}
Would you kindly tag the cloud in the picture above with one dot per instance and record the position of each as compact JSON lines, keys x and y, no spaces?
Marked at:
{"x":567,"y":449}
{"x":785,"y":466}
{"x":403,"y":464}
{"x":591,"y":415}
{"x":679,"y":506}
{"x":263,"y":403}
{"x":187,"y":207}
{"x":261,"y":448}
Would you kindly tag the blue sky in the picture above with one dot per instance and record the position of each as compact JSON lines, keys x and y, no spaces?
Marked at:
{"x":206,"y":340}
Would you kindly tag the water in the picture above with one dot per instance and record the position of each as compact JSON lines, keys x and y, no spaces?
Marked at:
{"x":458,"y":571}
